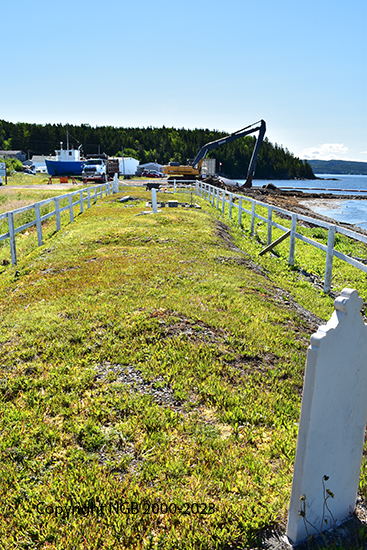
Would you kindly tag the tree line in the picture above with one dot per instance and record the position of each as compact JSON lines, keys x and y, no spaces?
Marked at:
{"x":339,"y":167}
{"x":160,"y":145}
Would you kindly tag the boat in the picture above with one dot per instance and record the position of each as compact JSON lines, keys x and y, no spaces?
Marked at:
{"x":67,"y":162}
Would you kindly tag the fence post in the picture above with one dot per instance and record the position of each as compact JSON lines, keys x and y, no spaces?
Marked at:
{"x":57,"y":213}
{"x":240,"y":211}
{"x":71,"y":212}
{"x":38,"y":223}
{"x":292,"y":244}
{"x":213,"y":197}
{"x":95,"y":194}
{"x":88,"y":195}
{"x":329,"y":258}
{"x":114,"y":185}
{"x":217,"y":198}
{"x":253,"y":217}
{"x":230,"y":205}
{"x":270,"y":226}
{"x":174,"y":186}
{"x":154,"y":200}
{"x":81,"y":201}
{"x":13,"y":250}
{"x":223,"y":201}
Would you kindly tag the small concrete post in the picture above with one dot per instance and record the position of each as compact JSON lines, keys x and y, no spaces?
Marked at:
{"x":13,"y":251}
{"x":95,"y":194}
{"x":270,"y":225}
{"x":329,"y":258}
{"x":57,"y":213}
{"x":115,"y":183}
{"x":332,"y":423}
{"x":292,"y":244}
{"x":154,"y":200}
{"x":38,"y":223}
{"x":253,"y":217}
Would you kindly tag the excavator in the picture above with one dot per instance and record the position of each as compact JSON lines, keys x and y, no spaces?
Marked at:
{"x":192,"y":170}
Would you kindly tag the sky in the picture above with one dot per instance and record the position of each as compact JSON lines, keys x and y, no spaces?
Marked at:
{"x":222,"y":65}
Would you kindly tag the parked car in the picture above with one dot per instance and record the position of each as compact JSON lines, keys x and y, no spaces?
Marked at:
{"x":152,"y":174}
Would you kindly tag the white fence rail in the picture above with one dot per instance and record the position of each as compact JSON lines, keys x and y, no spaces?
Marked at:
{"x":220,"y":198}
{"x":84,"y":196}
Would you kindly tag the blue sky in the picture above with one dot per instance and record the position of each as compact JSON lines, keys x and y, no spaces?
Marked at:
{"x":300,"y":66}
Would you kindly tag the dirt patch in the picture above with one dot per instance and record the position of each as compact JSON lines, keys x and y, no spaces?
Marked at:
{"x":224,"y":233}
{"x":347,"y":535}
{"x":282,"y":297}
{"x":158,"y":388}
{"x":194,"y":331}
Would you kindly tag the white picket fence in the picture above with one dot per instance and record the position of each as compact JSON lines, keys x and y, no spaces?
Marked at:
{"x":85,"y":197}
{"x":220,"y":198}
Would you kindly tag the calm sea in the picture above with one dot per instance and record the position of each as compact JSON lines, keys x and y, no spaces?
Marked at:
{"x":346,"y":211}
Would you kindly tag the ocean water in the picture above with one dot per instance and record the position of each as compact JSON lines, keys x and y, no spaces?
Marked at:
{"x":331,"y":183}
{"x":345,"y":211}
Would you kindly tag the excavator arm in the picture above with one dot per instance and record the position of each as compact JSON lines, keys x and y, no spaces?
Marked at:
{"x":257,"y":126}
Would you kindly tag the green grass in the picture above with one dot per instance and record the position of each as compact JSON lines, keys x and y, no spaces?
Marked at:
{"x":142,"y":364}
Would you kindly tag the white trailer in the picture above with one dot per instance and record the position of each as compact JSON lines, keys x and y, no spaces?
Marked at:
{"x":128,"y":166}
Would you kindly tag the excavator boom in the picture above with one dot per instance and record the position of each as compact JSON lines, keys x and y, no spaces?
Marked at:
{"x":193,"y":169}
{"x":257,"y":126}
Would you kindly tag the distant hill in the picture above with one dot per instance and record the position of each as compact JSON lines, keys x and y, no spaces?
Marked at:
{"x":338,"y":167}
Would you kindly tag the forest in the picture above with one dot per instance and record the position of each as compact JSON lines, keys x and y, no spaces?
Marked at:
{"x":162,"y":145}
{"x":339,"y":167}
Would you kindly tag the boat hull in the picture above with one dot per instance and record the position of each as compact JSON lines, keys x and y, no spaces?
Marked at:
{"x":64,"y":168}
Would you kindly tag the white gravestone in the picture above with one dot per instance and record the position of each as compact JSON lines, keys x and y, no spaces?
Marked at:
{"x":332,"y":423}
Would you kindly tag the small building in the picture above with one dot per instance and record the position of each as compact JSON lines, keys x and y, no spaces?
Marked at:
{"x":149,"y":166}
{"x":39,"y":163}
{"x":20,"y":155}
{"x":128,"y":166}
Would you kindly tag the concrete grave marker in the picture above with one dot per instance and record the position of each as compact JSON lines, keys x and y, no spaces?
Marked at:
{"x":332,"y":423}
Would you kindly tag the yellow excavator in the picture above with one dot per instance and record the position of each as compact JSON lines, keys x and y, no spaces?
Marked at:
{"x":192,"y":170}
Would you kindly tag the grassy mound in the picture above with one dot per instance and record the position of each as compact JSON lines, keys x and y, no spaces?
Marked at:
{"x":151,"y":370}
